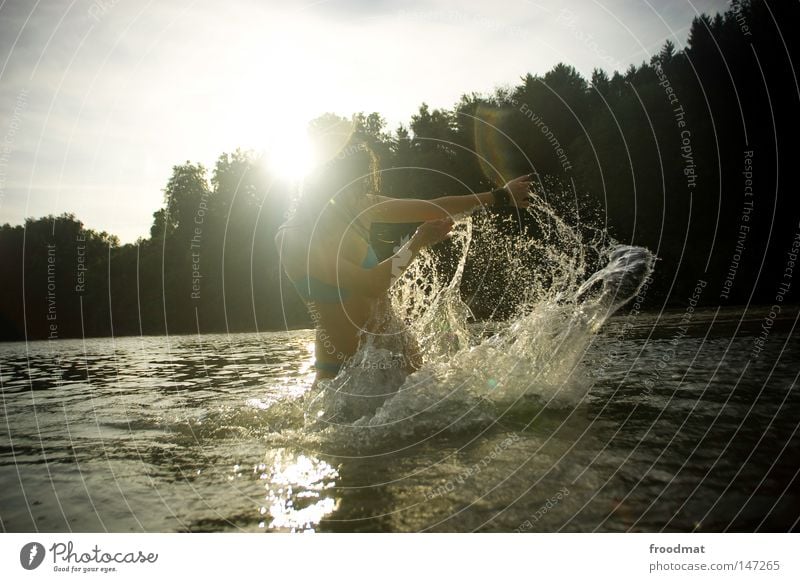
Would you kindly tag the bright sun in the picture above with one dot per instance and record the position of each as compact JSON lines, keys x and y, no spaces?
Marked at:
{"x":272,"y":105}
{"x":288,"y":151}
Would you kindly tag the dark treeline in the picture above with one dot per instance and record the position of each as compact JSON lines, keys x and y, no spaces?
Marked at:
{"x":660,"y":155}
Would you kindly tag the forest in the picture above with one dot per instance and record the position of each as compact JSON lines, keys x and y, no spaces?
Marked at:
{"x":686,"y":154}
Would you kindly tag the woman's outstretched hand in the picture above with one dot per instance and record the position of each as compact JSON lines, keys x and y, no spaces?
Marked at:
{"x":431,"y":232}
{"x":520,"y":190}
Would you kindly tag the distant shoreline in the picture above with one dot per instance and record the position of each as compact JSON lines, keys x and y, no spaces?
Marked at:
{"x":788,"y":312}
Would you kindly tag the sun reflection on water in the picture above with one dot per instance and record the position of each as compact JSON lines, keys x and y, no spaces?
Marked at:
{"x":297,"y":488}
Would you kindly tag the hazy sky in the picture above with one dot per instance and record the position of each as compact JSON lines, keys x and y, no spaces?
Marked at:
{"x":100,"y":98}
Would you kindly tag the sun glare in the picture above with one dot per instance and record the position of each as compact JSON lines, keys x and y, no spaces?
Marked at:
{"x":273,"y":103}
{"x":276,"y":97}
{"x":289,"y":153}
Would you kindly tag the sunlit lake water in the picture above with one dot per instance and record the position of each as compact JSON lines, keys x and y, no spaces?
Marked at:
{"x":679,"y":431}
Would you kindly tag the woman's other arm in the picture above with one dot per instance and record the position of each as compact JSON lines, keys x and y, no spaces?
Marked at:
{"x":376,"y":281}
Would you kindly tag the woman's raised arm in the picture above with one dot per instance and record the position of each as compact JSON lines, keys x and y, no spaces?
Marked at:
{"x":414,"y":210}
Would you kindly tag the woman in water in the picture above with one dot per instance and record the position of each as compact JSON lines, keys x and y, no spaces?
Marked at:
{"x":325,"y":249}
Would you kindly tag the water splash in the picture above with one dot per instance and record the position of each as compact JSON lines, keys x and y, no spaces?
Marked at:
{"x":550,"y":287}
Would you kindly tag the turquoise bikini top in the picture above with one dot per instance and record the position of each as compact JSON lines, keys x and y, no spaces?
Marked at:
{"x":312,"y":289}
